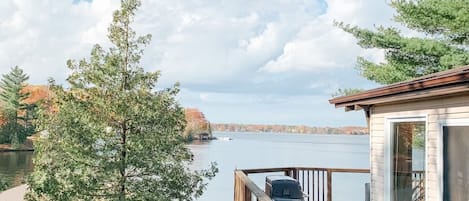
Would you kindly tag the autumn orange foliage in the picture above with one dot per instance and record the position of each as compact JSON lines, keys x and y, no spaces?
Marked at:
{"x":2,"y":119}
{"x":37,"y":94}
{"x":194,"y":117}
{"x":196,"y":121}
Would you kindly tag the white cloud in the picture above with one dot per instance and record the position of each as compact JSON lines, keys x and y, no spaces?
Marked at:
{"x":194,"y":42}
{"x":320,"y":46}
{"x":316,"y":48}
{"x":39,"y":36}
{"x":226,"y":52}
{"x":212,"y":41}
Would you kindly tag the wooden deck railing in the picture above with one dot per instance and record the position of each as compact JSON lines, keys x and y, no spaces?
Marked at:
{"x":418,"y":186}
{"x":315,"y":182}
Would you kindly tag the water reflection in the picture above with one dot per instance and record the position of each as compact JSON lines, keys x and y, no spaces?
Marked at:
{"x":15,"y":166}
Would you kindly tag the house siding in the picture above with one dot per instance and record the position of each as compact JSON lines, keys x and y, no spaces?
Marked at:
{"x":436,"y":110}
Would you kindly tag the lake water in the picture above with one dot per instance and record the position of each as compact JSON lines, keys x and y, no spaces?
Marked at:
{"x":266,"y":150}
{"x":255,"y":150}
{"x":15,"y":166}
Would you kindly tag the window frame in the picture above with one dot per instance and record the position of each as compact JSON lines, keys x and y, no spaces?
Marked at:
{"x":440,"y":154}
{"x":389,"y":140}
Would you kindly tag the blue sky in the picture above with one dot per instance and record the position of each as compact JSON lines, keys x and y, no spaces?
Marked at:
{"x":239,"y":61}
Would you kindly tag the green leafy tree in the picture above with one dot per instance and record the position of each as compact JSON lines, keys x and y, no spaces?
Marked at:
{"x":445,"y":24}
{"x":346,"y":92}
{"x":12,"y":97}
{"x":111,"y":135}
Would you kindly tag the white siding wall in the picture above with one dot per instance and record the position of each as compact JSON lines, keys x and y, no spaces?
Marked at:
{"x":443,"y":108}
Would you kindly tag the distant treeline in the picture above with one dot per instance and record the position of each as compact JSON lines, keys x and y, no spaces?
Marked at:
{"x":350,"y":130}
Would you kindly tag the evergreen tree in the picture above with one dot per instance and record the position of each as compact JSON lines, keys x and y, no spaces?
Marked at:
{"x":12,"y":97}
{"x":111,"y":135}
{"x":445,"y":24}
{"x":346,"y":92}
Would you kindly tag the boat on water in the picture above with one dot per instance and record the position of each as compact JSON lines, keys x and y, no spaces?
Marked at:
{"x":224,"y":138}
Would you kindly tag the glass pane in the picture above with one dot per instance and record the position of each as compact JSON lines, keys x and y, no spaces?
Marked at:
{"x":456,"y":163}
{"x":408,"y":165}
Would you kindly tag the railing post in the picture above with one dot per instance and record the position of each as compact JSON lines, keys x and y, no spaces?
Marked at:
{"x":245,"y":189}
{"x":237,"y":187}
{"x":288,"y":172}
{"x":240,"y":189}
{"x":367,"y":192}
{"x":295,"y":173}
{"x":292,"y":172}
{"x":329,"y":185}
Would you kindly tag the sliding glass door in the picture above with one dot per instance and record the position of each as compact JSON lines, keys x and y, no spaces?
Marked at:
{"x":456,"y":163}
{"x":407,"y":161}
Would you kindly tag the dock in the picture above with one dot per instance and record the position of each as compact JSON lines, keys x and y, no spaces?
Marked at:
{"x":14,"y":194}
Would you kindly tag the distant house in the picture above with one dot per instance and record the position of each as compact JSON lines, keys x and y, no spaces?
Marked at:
{"x":419,"y":136}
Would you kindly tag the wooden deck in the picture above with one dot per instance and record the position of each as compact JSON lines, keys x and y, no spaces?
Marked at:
{"x":315,"y":182}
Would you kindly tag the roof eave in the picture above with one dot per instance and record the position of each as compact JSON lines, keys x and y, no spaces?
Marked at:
{"x":456,"y":78}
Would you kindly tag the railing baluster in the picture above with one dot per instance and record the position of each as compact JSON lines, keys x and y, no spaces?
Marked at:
{"x":312,"y":189}
{"x":318,"y":185}
{"x":297,"y":174}
{"x":323,"y":197}
{"x":308,"y":185}
{"x":329,"y":185}
{"x":302,"y":178}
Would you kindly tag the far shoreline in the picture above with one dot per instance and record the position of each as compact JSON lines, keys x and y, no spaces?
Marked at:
{"x":299,"y":129}
{"x":16,"y":150}
{"x":26,"y":146}
{"x":268,"y":132}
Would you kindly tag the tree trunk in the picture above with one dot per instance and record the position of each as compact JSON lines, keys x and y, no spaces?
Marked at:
{"x":123,"y":162}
